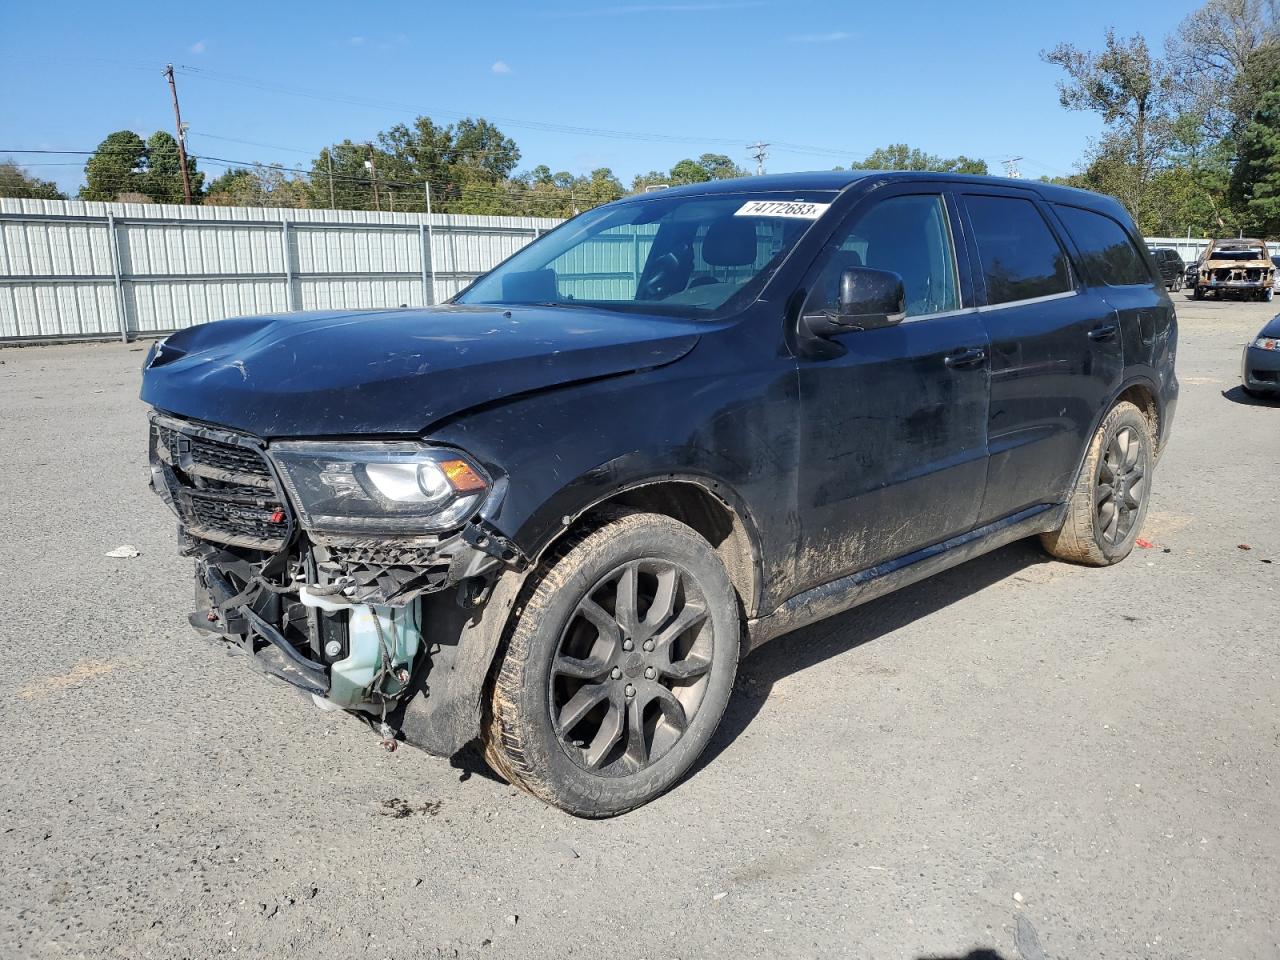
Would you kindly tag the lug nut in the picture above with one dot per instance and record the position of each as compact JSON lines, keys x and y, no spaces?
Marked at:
{"x":650,"y":673}
{"x":648,"y":645}
{"x":630,"y":691}
{"x":616,"y":673}
{"x":628,"y":644}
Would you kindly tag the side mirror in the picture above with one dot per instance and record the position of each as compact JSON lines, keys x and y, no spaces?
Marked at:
{"x":868,"y":299}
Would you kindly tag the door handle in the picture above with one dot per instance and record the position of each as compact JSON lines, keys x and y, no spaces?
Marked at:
{"x":1103,"y":331}
{"x":965,"y":359}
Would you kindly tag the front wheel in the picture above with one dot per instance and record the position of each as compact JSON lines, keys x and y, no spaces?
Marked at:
{"x":1109,"y":503}
{"x":618,"y":668}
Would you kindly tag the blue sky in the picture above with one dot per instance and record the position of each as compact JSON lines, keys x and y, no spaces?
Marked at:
{"x":833,"y":80}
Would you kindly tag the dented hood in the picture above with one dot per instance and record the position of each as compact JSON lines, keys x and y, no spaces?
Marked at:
{"x":392,"y":372}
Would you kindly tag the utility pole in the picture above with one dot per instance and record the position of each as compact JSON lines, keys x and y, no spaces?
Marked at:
{"x":182,"y":134}
{"x":1011,"y":168}
{"x":759,"y":155}
{"x":373,"y":175}
{"x":329,"y":156}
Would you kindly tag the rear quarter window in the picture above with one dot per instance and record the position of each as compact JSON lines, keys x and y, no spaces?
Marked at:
{"x":1021,"y":258}
{"x":1108,"y":253}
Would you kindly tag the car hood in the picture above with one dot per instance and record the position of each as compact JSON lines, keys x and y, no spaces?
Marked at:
{"x":395,"y":371}
{"x":1272,"y":329}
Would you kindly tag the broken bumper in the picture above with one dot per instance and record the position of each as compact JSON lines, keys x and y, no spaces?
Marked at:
{"x":222,"y":611}
{"x":342,"y":618}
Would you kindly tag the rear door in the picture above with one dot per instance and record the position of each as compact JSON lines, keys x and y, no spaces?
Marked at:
{"x":893,"y":420}
{"x":1055,"y":349}
{"x":1113,"y":264}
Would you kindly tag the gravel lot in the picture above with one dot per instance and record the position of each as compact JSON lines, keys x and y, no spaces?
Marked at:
{"x":1019,"y":756}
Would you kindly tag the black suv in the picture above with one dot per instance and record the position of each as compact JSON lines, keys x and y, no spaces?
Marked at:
{"x":550,"y":515}
{"x":1170,"y":266}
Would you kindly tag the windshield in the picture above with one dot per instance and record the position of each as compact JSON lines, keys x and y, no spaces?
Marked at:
{"x":686,"y":256}
{"x":1238,"y":253}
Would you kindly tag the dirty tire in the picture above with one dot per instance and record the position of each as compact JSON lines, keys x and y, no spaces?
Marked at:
{"x":1082,"y":538}
{"x":521,"y":740}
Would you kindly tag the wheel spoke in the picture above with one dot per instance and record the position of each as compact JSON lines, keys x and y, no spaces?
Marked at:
{"x":608,"y":734}
{"x":1107,"y":469}
{"x":580,"y":704}
{"x":589,"y":668}
{"x":1103,"y":492}
{"x":1107,"y":517}
{"x":1131,"y":449}
{"x":664,"y":602}
{"x":690,"y":616}
{"x":1110,"y":520}
{"x":637,"y":746}
{"x":1135,"y":491}
{"x":625,"y":607}
{"x":685,"y":669}
{"x":599,"y":618}
{"x":672,"y":709}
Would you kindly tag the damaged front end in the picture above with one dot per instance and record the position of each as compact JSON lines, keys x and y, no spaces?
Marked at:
{"x":333,"y":565}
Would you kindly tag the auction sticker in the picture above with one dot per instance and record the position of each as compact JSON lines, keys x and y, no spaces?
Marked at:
{"x":795,"y":209}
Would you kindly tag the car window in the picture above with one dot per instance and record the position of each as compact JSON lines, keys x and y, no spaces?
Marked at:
{"x":1018,"y":253}
{"x":908,"y":235}
{"x":1107,"y":251}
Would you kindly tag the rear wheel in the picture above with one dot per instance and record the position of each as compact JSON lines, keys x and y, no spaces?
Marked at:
{"x":618,"y":668}
{"x":1109,"y":503}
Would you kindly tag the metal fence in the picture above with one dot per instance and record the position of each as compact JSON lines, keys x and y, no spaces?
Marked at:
{"x":77,"y":269}
{"x":1190,"y":249}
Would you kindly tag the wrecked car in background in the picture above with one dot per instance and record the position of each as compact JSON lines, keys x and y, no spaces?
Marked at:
{"x":549,"y":515}
{"x":1236,"y":268}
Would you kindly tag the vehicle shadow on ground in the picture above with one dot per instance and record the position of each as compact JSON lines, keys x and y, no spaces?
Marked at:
{"x":1237,"y":395}
{"x":982,"y":954}
{"x":812,"y":645}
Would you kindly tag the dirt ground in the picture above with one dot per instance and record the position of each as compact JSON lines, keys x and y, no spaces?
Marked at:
{"x":1019,"y":756}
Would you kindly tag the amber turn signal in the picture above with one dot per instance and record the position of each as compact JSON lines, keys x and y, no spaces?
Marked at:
{"x":462,"y":477}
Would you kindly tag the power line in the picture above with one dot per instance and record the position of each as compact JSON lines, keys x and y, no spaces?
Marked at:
{"x":757,"y":150}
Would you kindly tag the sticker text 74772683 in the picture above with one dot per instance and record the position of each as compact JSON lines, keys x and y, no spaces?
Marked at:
{"x":795,"y":209}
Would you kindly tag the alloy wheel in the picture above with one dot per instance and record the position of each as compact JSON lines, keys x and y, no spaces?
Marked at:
{"x":631,"y":667}
{"x":1121,"y":485}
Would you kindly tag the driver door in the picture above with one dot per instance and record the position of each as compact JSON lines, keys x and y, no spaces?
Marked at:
{"x":893,"y":420}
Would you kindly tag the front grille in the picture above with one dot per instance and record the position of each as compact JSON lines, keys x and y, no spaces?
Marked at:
{"x":213,"y":459}
{"x":220,"y":484}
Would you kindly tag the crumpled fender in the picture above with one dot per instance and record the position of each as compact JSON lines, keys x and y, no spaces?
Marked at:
{"x":446,"y":709}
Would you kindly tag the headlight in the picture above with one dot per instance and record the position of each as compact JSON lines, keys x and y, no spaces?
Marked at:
{"x":374,"y":487}
{"x":1267,"y":343}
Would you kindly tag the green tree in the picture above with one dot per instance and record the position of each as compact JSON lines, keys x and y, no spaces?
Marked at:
{"x":162,"y":181}
{"x":720,"y":167}
{"x":688,"y":171}
{"x":16,"y":182}
{"x":1133,"y":92}
{"x":464,"y":163}
{"x":1219,"y":55}
{"x":899,"y":156}
{"x":340,"y":178}
{"x":1255,"y":182}
{"x":259,"y":186}
{"x":654,"y":178}
{"x":117,"y":166}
